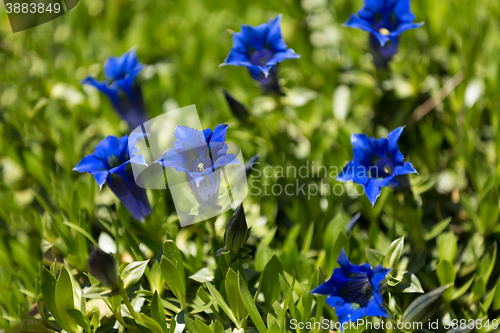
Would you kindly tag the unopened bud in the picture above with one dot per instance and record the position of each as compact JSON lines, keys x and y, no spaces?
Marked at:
{"x":238,"y":109}
{"x":103,"y":267}
{"x":236,"y":230}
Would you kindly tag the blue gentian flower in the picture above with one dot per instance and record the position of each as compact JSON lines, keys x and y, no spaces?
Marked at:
{"x":385,"y":20}
{"x":355,"y":291}
{"x":376,"y":163}
{"x":121,"y":89}
{"x":261,"y":49}
{"x":200,"y":155}
{"x":111,"y":162}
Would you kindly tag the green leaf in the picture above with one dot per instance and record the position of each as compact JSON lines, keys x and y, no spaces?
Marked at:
{"x":65,"y":301}
{"x":172,"y":253}
{"x":447,"y":247}
{"x":251,"y":307}
{"x":151,"y":324}
{"x":80,"y":319}
{"x":394,"y":253}
{"x":96,"y":320}
{"x":173,"y":279}
{"x":270,"y":281}
{"x":132,"y":273}
{"x":233,"y":296}
{"x":49,"y":293}
{"x":220,"y":300}
{"x":410,"y":284}
{"x":191,"y":325}
{"x":158,"y":313}
{"x":446,"y":274}
{"x":424,"y":306}
{"x":203,"y":275}
{"x":373,"y":256}
{"x":463,"y":289}
{"x":437,"y":229}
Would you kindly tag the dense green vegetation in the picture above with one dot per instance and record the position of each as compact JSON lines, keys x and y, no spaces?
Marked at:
{"x":442,"y":85}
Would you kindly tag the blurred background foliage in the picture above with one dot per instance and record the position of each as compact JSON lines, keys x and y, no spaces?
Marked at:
{"x":443,"y":85}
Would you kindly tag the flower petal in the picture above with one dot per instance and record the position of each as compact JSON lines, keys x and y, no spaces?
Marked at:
{"x":90,"y":164}
{"x":349,"y":268}
{"x":280,"y":56}
{"x":378,"y":275}
{"x":111,"y":91}
{"x":274,"y":38}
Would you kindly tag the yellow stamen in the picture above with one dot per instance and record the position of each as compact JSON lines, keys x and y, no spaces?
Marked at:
{"x":201,"y":167}
{"x":230,"y":31}
{"x":384,"y":31}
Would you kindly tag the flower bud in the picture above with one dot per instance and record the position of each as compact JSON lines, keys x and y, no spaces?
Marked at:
{"x":238,"y":109}
{"x":103,"y":267}
{"x":250,"y":164}
{"x":236,"y":230}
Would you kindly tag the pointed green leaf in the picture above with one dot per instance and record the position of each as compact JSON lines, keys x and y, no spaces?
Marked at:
{"x":65,"y":301}
{"x":132,"y":273}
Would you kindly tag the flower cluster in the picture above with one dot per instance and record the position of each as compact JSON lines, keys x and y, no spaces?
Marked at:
{"x":354,"y":291}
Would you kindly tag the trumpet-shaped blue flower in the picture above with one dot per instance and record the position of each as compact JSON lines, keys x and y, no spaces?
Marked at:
{"x":121,"y":89}
{"x":260,"y":49}
{"x":355,"y":291}
{"x":376,"y":163}
{"x":385,"y":20}
{"x":200,"y":155}
{"x":111,"y":162}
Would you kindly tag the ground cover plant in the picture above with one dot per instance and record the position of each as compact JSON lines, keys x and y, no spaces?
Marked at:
{"x":369,"y":132}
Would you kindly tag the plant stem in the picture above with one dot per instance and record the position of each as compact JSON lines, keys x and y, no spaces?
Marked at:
{"x":129,"y":305}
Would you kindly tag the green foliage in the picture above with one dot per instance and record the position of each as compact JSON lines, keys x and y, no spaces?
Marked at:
{"x":440,"y":239}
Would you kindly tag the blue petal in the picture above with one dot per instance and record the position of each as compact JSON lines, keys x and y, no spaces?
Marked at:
{"x":392,"y":139}
{"x":208,"y":134}
{"x":189,"y":138}
{"x":172,"y":159}
{"x":373,"y":187}
{"x":111,"y":91}
{"x":404,"y":169}
{"x":254,"y":37}
{"x":117,"y":68}
{"x":404,"y":27}
{"x":133,"y":197}
{"x":377,"y":276}
{"x":354,"y":171}
{"x":335,"y":301}
{"x":225,"y":160}
{"x":332,"y":287}
{"x":375,"y":306}
{"x":357,"y":22}
{"x":127,"y":83}
{"x":347,"y":312}
{"x":402,"y":10}
{"x":365,"y":148}
{"x":219,"y":134}
{"x":274,"y":38}
{"x":111,"y":147}
{"x":280,"y":56}
{"x":90,"y":164}
{"x":100,"y":178}
{"x":349,"y":268}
